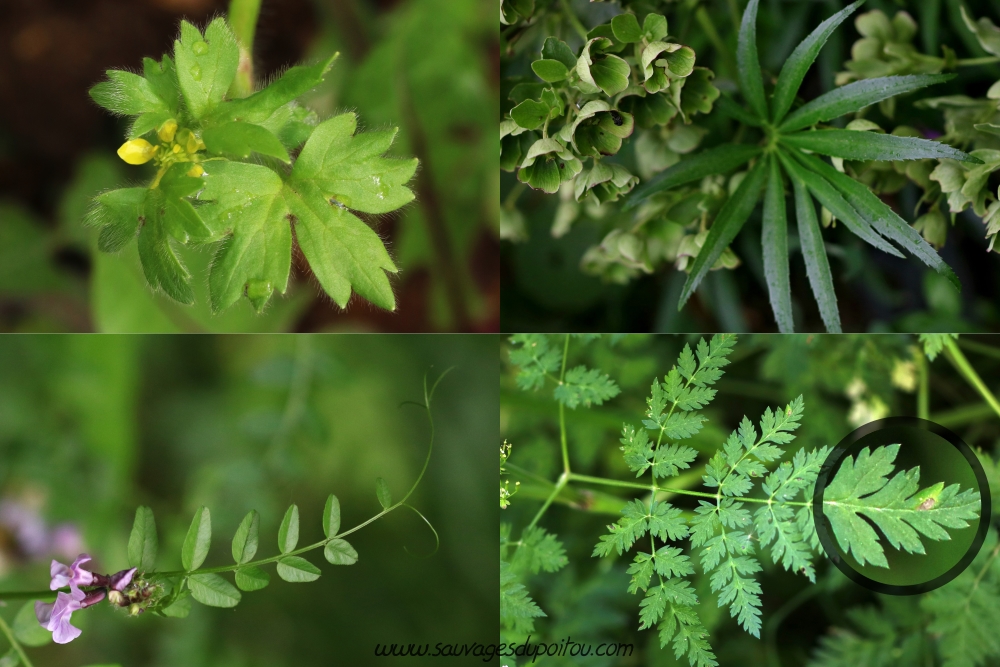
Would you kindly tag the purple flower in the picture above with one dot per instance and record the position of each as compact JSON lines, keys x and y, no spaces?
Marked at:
{"x":120,"y":580}
{"x":55,"y":617}
{"x":71,"y":575}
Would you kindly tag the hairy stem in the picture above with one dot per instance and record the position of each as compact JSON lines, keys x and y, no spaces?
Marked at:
{"x":243,"y":20}
{"x":963,"y":366}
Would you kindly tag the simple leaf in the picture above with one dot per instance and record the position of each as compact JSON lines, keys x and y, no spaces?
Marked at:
{"x":197,"y":542}
{"x":296,"y":570}
{"x":626,"y":28}
{"x":288,"y":532}
{"x":862,"y":488}
{"x":774,"y":240}
{"x":213,"y":590}
{"x":854,"y":145}
{"x":751,"y":81}
{"x":549,"y":71}
{"x":246,"y":538}
{"x":252,"y":578}
{"x":206,"y":65}
{"x":802,"y":58}
{"x":718,"y":160}
{"x":331,"y":516}
{"x":340,"y":552}
{"x":727,"y":225}
{"x":383,"y":493}
{"x":142,"y":543}
{"x":814,"y":254}
{"x":855,"y":96}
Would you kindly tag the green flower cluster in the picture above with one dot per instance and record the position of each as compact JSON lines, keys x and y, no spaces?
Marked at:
{"x":590,"y":101}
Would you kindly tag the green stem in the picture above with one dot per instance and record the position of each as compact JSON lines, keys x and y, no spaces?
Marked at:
{"x":963,"y":366}
{"x":576,"y":477}
{"x":923,"y":392}
{"x":562,"y":411}
{"x":243,"y":20}
{"x":563,"y":478}
{"x":973,"y":346}
{"x":985,"y":60}
{"x":573,"y":20}
{"x":962,"y":416}
{"x":14,"y":643}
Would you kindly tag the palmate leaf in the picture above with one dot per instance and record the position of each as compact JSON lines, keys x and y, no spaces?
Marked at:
{"x":855,"y":96}
{"x":801,"y":59}
{"x":862,"y":488}
{"x":854,"y":145}
{"x":814,"y":254}
{"x":727,"y":225}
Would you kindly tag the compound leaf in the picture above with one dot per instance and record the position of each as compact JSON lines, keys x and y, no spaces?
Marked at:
{"x":585,"y":386}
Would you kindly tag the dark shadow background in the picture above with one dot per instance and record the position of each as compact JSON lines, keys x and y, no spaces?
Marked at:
{"x":438,"y":86}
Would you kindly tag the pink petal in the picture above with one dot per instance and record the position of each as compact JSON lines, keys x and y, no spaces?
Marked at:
{"x":65,"y":633}
{"x":43,"y":612}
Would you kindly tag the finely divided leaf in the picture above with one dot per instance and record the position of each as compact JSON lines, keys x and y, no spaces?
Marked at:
{"x":795,"y":68}
{"x":535,"y":358}
{"x":197,"y":542}
{"x":774,"y":240}
{"x":718,"y":160}
{"x":206,"y":66}
{"x":246,"y":539}
{"x":517,"y":609}
{"x":585,"y":386}
{"x":814,"y":254}
{"x":862,"y":488}
{"x":751,"y":81}
{"x":213,"y":590}
{"x":142,"y":543}
{"x":727,"y":225}
{"x":855,"y":96}
{"x":854,"y":145}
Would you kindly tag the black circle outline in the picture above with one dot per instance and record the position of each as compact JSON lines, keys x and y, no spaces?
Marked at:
{"x":822,"y":523}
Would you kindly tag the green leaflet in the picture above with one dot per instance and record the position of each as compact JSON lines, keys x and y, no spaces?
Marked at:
{"x":246,"y":539}
{"x":160,"y":264}
{"x":727,"y":225}
{"x":252,"y":578}
{"x":814,"y":254}
{"x":297,"y":570}
{"x":260,"y":106}
{"x":585,"y":386}
{"x":331,"y":516}
{"x":862,"y":488}
{"x":853,"y":145}
{"x":197,"y":542}
{"x":340,"y":552}
{"x":288,"y":532}
{"x":718,"y":160}
{"x":855,"y":96}
{"x":241,"y":139}
{"x":836,"y":204}
{"x":213,"y":590}
{"x":774,"y":241}
{"x":751,"y":81}
{"x":128,"y":94}
{"x":27,"y":629}
{"x":881,"y":217}
{"x":254,"y":258}
{"x":142,"y":542}
{"x":383,"y":493}
{"x":517,"y":609}
{"x":795,"y":68}
{"x":206,"y":65}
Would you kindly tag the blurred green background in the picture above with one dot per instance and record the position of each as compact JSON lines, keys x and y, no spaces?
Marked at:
{"x":427,"y":67}
{"x":91,"y":427}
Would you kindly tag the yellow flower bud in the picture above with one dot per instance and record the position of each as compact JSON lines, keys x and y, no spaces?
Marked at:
{"x":194,"y":144}
{"x":137,"y":151}
{"x":167,"y":130}
{"x":177,"y":149}
{"x":195,"y":171}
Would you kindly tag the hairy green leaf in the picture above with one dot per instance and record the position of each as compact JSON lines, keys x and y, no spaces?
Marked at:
{"x":853,"y":145}
{"x":727,"y":225}
{"x":856,"y":96}
{"x":774,"y":241}
{"x":718,"y":160}
{"x":260,"y":106}
{"x":795,"y":68}
{"x":142,"y":543}
{"x":128,"y":94}
{"x":241,"y":139}
{"x":206,"y":65}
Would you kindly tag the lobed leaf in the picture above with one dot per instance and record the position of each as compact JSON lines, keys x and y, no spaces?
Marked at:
{"x":727,"y":225}
{"x":128,"y":94}
{"x":197,"y":542}
{"x":160,"y":264}
{"x":206,"y":65}
{"x":774,"y":242}
{"x":241,"y":139}
{"x":261,"y":105}
{"x":801,"y":59}
{"x":585,"y":386}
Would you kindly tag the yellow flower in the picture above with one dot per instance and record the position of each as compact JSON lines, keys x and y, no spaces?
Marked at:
{"x":137,"y":151}
{"x":167,"y":130}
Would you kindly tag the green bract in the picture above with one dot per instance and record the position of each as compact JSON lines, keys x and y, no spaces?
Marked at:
{"x":624,"y":75}
{"x":787,"y":151}
{"x":226,"y":176}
